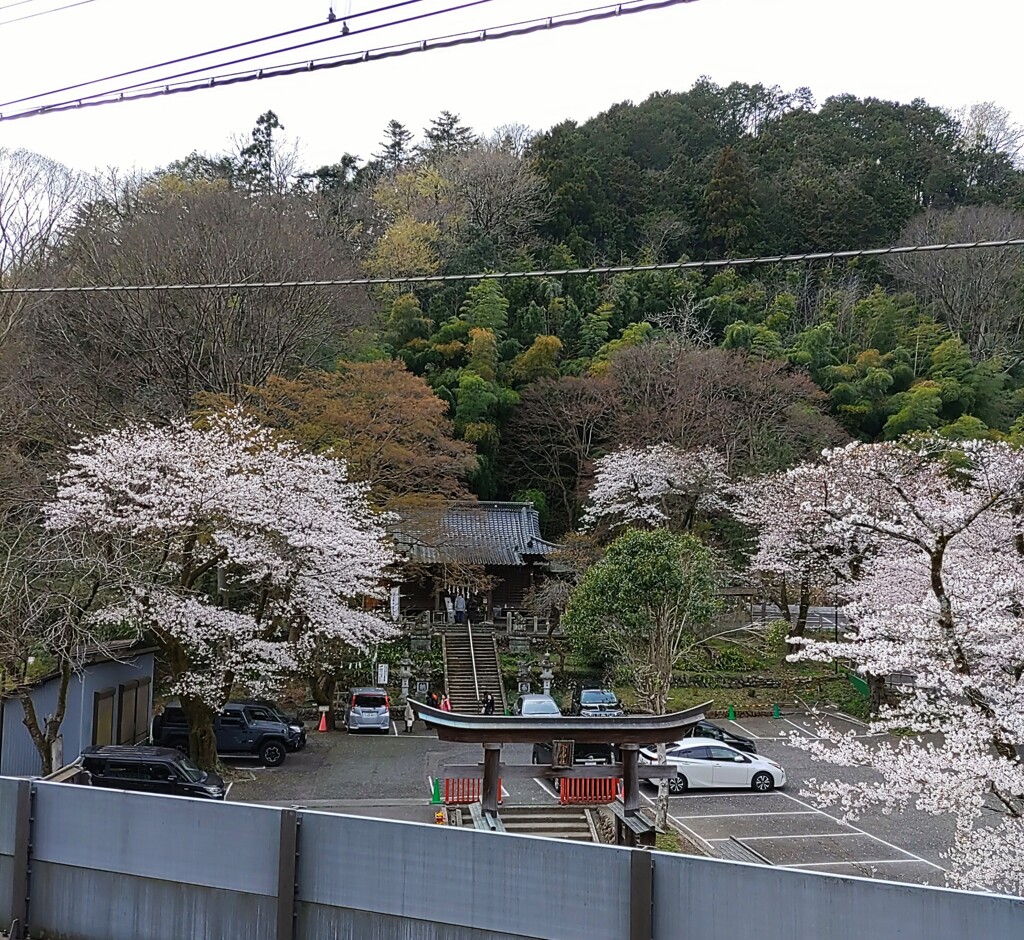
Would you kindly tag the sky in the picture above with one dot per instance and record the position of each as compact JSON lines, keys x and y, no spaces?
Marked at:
{"x":949,"y":52}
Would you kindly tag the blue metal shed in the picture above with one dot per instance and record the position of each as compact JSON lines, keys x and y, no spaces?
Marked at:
{"x":110,"y":701}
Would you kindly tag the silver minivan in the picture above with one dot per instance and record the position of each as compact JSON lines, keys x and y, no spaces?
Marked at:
{"x":368,"y":710}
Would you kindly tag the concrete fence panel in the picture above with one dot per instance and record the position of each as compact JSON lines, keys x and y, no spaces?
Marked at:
{"x":420,"y":877}
{"x":706,"y":898}
{"x":8,"y":824}
{"x":129,"y":866}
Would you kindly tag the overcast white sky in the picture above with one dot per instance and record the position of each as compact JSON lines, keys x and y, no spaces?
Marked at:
{"x":949,"y":52}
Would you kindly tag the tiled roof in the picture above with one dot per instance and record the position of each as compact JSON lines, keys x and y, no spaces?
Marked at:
{"x":478,"y":533}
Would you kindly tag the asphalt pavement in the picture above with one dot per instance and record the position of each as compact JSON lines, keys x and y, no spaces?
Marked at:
{"x":391,"y":776}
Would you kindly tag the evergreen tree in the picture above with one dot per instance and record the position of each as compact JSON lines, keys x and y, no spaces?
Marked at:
{"x":394,"y":148}
{"x":256,"y":161}
{"x":445,"y":136}
{"x":729,"y":205}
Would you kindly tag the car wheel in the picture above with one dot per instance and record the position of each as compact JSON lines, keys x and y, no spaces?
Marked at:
{"x":677,"y":784}
{"x":762,"y":782}
{"x":272,"y":753}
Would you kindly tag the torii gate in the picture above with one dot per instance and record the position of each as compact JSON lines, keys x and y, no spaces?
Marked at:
{"x":629,"y":732}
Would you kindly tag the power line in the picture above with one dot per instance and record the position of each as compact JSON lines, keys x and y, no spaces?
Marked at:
{"x":519,"y":275}
{"x":88,"y":100}
{"x":506,"y":31}
{"x":20,"y":3}
{"x":32,"y":16}
{"x":198,"y":55}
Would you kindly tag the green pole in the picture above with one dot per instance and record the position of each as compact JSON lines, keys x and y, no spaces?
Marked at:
{"x":732,"y":713}
{"x":436,"y":797}
{"x":775,"y":711}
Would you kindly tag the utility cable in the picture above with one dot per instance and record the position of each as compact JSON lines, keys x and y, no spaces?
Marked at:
{"x":87,"y":100}
{"x":20,"y":3}
{"x":520,"y":275}
{"x":32,"y":16}
{"x":199,"y":55}
{"x":157,"y":89}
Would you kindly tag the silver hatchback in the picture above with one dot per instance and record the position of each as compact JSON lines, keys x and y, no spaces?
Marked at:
{"x":368,"y":710}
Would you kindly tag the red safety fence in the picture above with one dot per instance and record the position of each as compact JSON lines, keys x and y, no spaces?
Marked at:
{"x":588,"y":789}
{"x":460,"y":791}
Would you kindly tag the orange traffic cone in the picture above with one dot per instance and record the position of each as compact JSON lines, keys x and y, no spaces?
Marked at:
{"x":323,"y":721}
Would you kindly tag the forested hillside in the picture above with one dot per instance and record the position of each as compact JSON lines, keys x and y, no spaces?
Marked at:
{"x":513,"y":389}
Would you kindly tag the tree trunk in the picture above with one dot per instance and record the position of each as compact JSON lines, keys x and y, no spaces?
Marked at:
{"x":661,"y":807}
{"x":323,"y":688}
{"x":44,"y":736}
{"x":876,"y":693}
{"x":202,"y":741}
{"x":800,"y":625}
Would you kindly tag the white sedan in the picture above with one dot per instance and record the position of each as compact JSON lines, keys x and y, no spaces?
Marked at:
{"x":705,"y":762}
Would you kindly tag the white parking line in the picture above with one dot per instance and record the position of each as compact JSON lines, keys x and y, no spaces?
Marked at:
{"x":879,"y":861}
{"x":546,"y":787}
{"x":696,"y":836}
{"x":806,"y":835}
{"x":749,"y":734}
{"x":895,"y":848}
{"x":788,"y":812}
{"x":802,"y":730}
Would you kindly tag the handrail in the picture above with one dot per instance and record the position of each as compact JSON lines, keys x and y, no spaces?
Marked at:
{"x":444,"y":659}
{"x":501,"y":682}
{"x":472,"y":659}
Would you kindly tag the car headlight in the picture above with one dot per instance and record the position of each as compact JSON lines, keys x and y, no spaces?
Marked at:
{"x":296,"y":729}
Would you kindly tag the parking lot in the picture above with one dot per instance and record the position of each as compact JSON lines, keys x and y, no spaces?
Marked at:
{"x":786,"y":829}
{"x":390,"y":777}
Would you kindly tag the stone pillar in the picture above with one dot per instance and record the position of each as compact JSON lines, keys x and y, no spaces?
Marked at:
{"x":492,"y":768}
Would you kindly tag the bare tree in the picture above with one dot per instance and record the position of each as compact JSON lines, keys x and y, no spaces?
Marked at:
{"x":975,"y":292}
{"x":37,"y":199}
{"x":46,"y":596}
{"x":497,"y":192}
{"x":986,"y":125}
{"x":149,"y":353}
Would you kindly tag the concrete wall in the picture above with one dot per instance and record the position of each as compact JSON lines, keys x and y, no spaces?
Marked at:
{"x":110,"y":865}
{"x":18,"y":755}
{"x":712,"y":899}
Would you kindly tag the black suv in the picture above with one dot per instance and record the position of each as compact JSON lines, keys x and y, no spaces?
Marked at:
{"x":596,"y":703}
{"x":150,"y":770}
{"x":241,"y":730}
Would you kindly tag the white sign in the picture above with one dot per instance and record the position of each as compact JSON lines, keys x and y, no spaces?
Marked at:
{"x":382,"y":674}
{"x":395,"y":597}
{"x":324,"y":708}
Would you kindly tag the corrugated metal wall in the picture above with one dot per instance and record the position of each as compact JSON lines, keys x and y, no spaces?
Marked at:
{"x":18,"y":755}
{"x":109,"y":865}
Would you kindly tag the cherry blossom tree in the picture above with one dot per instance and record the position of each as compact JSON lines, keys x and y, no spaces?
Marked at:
{"x":248,"y":556}
{"x":937,"y":591}
{"x":656,"y":486}
{"x":792,"y":555}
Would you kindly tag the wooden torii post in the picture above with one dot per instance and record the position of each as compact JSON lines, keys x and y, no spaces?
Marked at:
{"x":629,"y":732}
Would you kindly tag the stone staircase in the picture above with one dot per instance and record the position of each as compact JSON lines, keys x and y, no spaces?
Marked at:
{"x":555,"y":822}
{"x":458,"y":665}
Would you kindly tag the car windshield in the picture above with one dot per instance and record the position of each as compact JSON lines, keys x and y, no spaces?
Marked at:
{"x":192,"y":773}
{"x":598,"y":697}
{"x":540,"y":707}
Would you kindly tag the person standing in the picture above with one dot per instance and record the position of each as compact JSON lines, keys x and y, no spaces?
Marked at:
{"x":410,"y":716}
{"x":489,"y":704}
{"x":446,"y":703}
{"x":460,"y":608}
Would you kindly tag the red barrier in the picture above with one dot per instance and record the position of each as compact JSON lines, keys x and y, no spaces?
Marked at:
{"x":574,"y":790}
{"x":461,"y":791}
